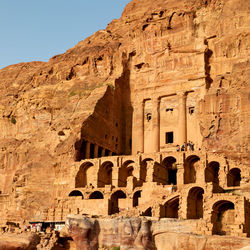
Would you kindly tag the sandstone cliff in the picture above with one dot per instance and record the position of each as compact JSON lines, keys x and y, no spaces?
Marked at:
{"x":47,"y":109}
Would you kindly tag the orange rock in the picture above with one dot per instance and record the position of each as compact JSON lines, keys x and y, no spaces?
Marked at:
{"x":168,"y":74}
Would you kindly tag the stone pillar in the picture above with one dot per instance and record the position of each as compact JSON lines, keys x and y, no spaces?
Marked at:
{"x":200,"y":172}
{"x":182,"y":120}
{"x":182,"y":211}
{"x":150,"y":171}
{"x":96,"y":151}
{"x":103,"y":152}
{"x":138,"y":128}
{"x":156,"y":125}
{"x":131,"y":183}
{"x":180,"y":174}
{"x":115,"y":175}
{"x":136,"y":172}
{"x":87,"y":152}
{"x":95,"y":178}
{"x":223,"y":174}
{"x":180,"y":170}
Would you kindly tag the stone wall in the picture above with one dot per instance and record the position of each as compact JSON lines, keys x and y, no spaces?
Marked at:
{"x":163,"y":67}
{"x":202,"y":190}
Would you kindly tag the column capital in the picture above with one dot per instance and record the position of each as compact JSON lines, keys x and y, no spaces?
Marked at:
{"x":139,"y":103}
{"x":155,"y":100}
{"x":142,"y":102}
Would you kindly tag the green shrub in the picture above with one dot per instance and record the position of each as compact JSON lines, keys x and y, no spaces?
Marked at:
{"x":13,"y":120}
{"x":174,"y":166}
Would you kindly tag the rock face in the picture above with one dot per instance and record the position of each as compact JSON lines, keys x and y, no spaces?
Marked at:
{"x":26,"y":241}
{"x":126,"y":233}
{"x":165,"y":73}
{"x":140,"y":233}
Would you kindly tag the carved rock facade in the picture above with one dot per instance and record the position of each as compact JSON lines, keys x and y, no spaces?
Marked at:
{"x":106,"y":118}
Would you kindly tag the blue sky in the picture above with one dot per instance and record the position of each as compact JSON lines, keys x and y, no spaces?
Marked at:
{"x":35,"y":30}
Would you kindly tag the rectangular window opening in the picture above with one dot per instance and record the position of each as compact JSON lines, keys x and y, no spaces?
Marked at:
{"x":169,"y":137}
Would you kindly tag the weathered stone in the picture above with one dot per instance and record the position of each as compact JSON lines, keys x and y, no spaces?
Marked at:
{"x":143,"y":236}
{"x":19,"y":241}
{"x":96,"y":130}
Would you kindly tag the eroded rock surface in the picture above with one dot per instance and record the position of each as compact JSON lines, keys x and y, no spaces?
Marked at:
{"x":81,"y":103}
{"x":140,"y":233}
{"x":125,"y":233}
{"x":26,"y":241}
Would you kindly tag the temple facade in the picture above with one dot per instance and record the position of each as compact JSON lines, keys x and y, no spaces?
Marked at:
{"x":149,"y":117}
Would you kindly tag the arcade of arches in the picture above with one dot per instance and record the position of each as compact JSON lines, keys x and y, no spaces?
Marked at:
{"x":182,"y":185}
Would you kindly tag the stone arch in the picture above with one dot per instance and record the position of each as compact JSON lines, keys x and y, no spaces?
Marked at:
{"x":105,"y":174}
{"x":190,"y":168}
{"x":170,"y":164}
{"x":147,"y":212}
{"x":143,"y":169}
{"x":170,"y":208}
{"x":195,"y":203}
{"x":234,"y":177}
{"x":125,"y":171}
{"x":112,"y":159}
{"x":212,"y":172}
{"x":223,"y":217}
{"x":86,"y":175}
{"x":123,"y":190}
{"x":136,"y":197}
{"x":96,"y":195}
{"x":114,"y":201}
{"x":76,"y":193}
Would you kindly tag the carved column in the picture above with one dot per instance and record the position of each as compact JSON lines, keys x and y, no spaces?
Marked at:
{"x":103,"y":152}
{"x":223,"y":170}
{"x":156,"y":124}
{"x":180,"y":170}
{"x":150,"y":171}
{"x":182,"y":120}
{"x":87,"y":152}
{"x":180,"y":174}
{"x":200,"y":171}
{"x":96,"y":151}
{"x":136,"y":172}
{"x":138,"y":128}
{"x":115,"y":174}
{"x":95,"y":175}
